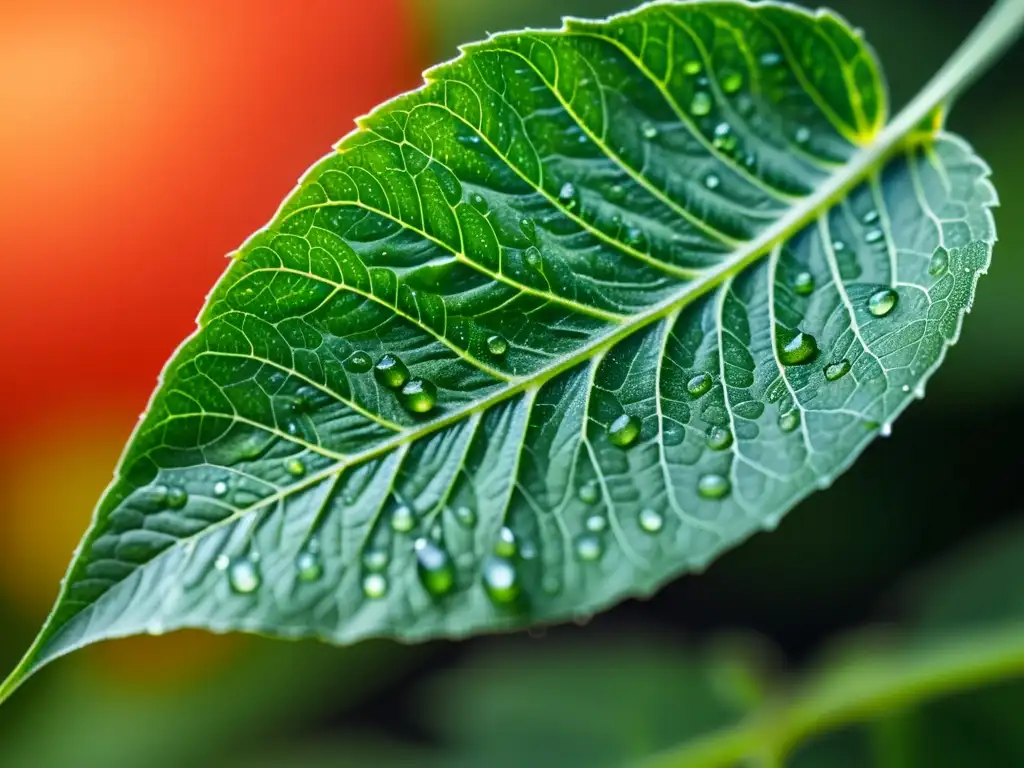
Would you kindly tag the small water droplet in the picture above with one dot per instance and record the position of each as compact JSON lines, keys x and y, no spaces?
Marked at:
{"x":596,"y":523}
{"x":624,"y":431}
{"x":874,"y":235}
{"x":375,"y":585}
{"x":308,"y":565}
{"x":391,"y":371}
{"x":692,"y":67}
{"x":295,"y":467}
{"x":616,"y":193}
{"x":375,"y":559}
{"x":528,"y":228}
{"x":649,"y":130}
{"x":870,"y":217}
{"x":244,"y":576}
{"x":419,"y":395}
{"x":465,"y":516}
{"x":789,"y":421}
{"x":651,"y":520}
{"x":719,"y":438}
{"x":802,"y":135}
{"x":882,"y":302}
{"x":701,"y":103}
{"x":711,"y":181}
{"x":506,"y":545}
{"x":478,"y":201}
{"x":359,"y":362}
{"x":838,"y":246}
{"x":533,"y":257}
{"x":589,"y":492}
{"x":497,"y":345}
{"x":528,"y":550}
{"x":836,"y":371}
{"x":635,"y":237}
{"x":770,"y":58}
{"x":905,"y":388}
{"x":220,"y":488}
{"x":796,"y":348}
{"x":699,"y":385}
{"x":803,"y":284}
{"x":568,"y":196}
{"x":886,"y":430}
{"x":176,"y":497}
{"x":732,"y":81}
{"x":222,"y":562}
{"x":939,"y":264}
{"x":402,"y":519}
{"x":434,"y":567}
{"x":589,"y":547}
{"x":713,"y":487}
{"x":501,"y":580}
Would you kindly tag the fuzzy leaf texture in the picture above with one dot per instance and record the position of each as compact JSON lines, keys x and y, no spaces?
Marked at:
{"x":586,"y":310}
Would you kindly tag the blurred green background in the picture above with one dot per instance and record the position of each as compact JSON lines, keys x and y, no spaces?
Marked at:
{"x":142,"y":142}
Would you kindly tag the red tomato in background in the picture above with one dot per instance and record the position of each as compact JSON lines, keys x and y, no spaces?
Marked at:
{"x":139,"y":144}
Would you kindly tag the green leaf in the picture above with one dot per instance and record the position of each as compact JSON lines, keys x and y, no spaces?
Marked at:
{"x":586,"y":310}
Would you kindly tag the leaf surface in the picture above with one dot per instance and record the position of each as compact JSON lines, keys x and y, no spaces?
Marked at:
{"x":583,"y":312}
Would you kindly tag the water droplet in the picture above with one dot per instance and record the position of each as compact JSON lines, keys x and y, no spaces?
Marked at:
{"x":506,"y":545}
{"x":699,"y":385}
{"x":870,"y":217}
{"x":905,"y":388}
{"x":882,"y":302}
{"x":838,"y":246}
{"x":886,"y":430}
{"x":244,"y":576}
{"x":533,"y":257}
{"x":719,"y":438}
{"x":589,"y":547}
{"x":465,"y":516}
{"x":802,"y":135}
{"x":624,"y":431}
{"x":770,"y":58}
{"x":402,"y":519}
{"x":391,"y":371}
{"x":375,"y":559}
{"x":477,"y":201}
{"x":635,"y":237}
{"x":308,"y":565}
{"x":701,"y":103}
{"x":836,"y":371}
{"x":874,"y":235}
{"x":939,"y":264}
{"x":589,"y":493}
{"x":713,"y":487}
{"x":501,"y":580}
{"x":749,"y":161}
{"x":692,"y":67}
{"x":435,"y":568}
{"x":176,"y":497}
{"x":724,"y":138}
{"x":220,"y":488}
{"x":732,"y":81}
{"x":295,"y":467}
{"x":528,"y":228}
{"x":359,"y":362}
{"x":796,"y":348}
{"x":711,"y":181}
{"x":567,"y":195}
{"x":649,"y":130}
{"x":375,"y":585}
{"x":497,"y":345}
{"x":651,"y":520}
{"x":616,"y":193}
{"x":596,"y":523}
{"x":803,"y":284}
{"x":222,"y":562}
{"x":419,"y":395}
{"x":789,"y":421}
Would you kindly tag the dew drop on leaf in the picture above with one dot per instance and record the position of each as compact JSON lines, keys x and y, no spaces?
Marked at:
{"x":596,"y":523}
{"x":699,"y":385}
{"x":391,"y":371}
{"x":838,"y":246}
{"x":624,"y":431}
{"x":803,"y":284}
{"x":802,"y":135}
{"x":434,"y":567}
{"x":222,"y":562}
{"x":732,"y":81}
{"x":616,"y":193}
{"x":533,"y":257}
{"x":308,"y":565}
{"x":719,"y":438}
{"x":501,"y":580}
{"x":220,"y":488}
{"x":836,"y":371}
{"x":419,"y":395}
{"x":870,"y":217}
{"x":770,"y":58}
{"x":375,"y":585}
{"x":939,"y":264}
{"x":711,"y":181}
{"x":589,"y":547}
{"x":497,"y":345}
{"x":651,"y":520}
{"x":506,"y":545}
{"x":796,"y":348}
{"x":882,"y":302}
{"x":295,"y":467}
{"x":713,"y":487}
{"x":375,"y":559}
{"x":359,"y":362}
{"x":478,"y":202}
{"x":874,"y":235}
{"x":789,"y":421}
{"x":692,"y":67}
{"x":176,"y":497}
{"x":701,"y":104}
{"x":528,"y":228}
{"x":244,"y":576}
{"x":465,"y":516}
{"x":568,"y":196}
{"x":589,"y":493}
{"x":649,"y":130}
{"x":402,"y":519}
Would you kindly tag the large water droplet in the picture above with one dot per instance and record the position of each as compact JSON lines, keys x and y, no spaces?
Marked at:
{"x":419,"y":395}
{"x":589,"y":492}
{"x":796,"y":348}
{"x":939,"y":264}
{"x":435,"y":568}
{"x":713,"y":486}
{"x":478,"y":202}
{"x":719,"y":438}
{"x":651,"y":520}
{"x":596,"y":523}
{"x":375,"y":559}
{"x":624,"y":431}
{"x":391,"y":371}
{"x":836,"y":371}
{"x":803,"y":284}
{"x":176,"y":497}
{"x":243,"y":575}
{"x":701,"y":103}
{"x":699,"y":385}
{"x":497,"y":345}
{"x":359,"y":362}
{"x":506,"y":545}
{"x":789,"y":421}
{"x":308,"y":565}
{"x":501,"y":580}
{"x":732,"y":81}
{"x":402,"y":519}
{"x":375,"y":585}
{"x":295,"y":467}
{"x":568,"y":195}
{"x":589,"y":547}
{"x":874,"y":235}
{"x":882,"y":302}
{"x":649,"y":130}
{"x":465,"y":516}
{"x":711,"y":181}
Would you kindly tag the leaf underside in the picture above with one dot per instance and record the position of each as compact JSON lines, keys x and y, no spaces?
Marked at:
{"x":589,"y":253}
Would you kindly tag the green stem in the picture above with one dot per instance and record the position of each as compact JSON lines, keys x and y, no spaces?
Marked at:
{"x":859,"y":691}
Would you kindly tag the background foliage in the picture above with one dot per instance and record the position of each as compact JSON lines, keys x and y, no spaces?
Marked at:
{"x":128,"y":119}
